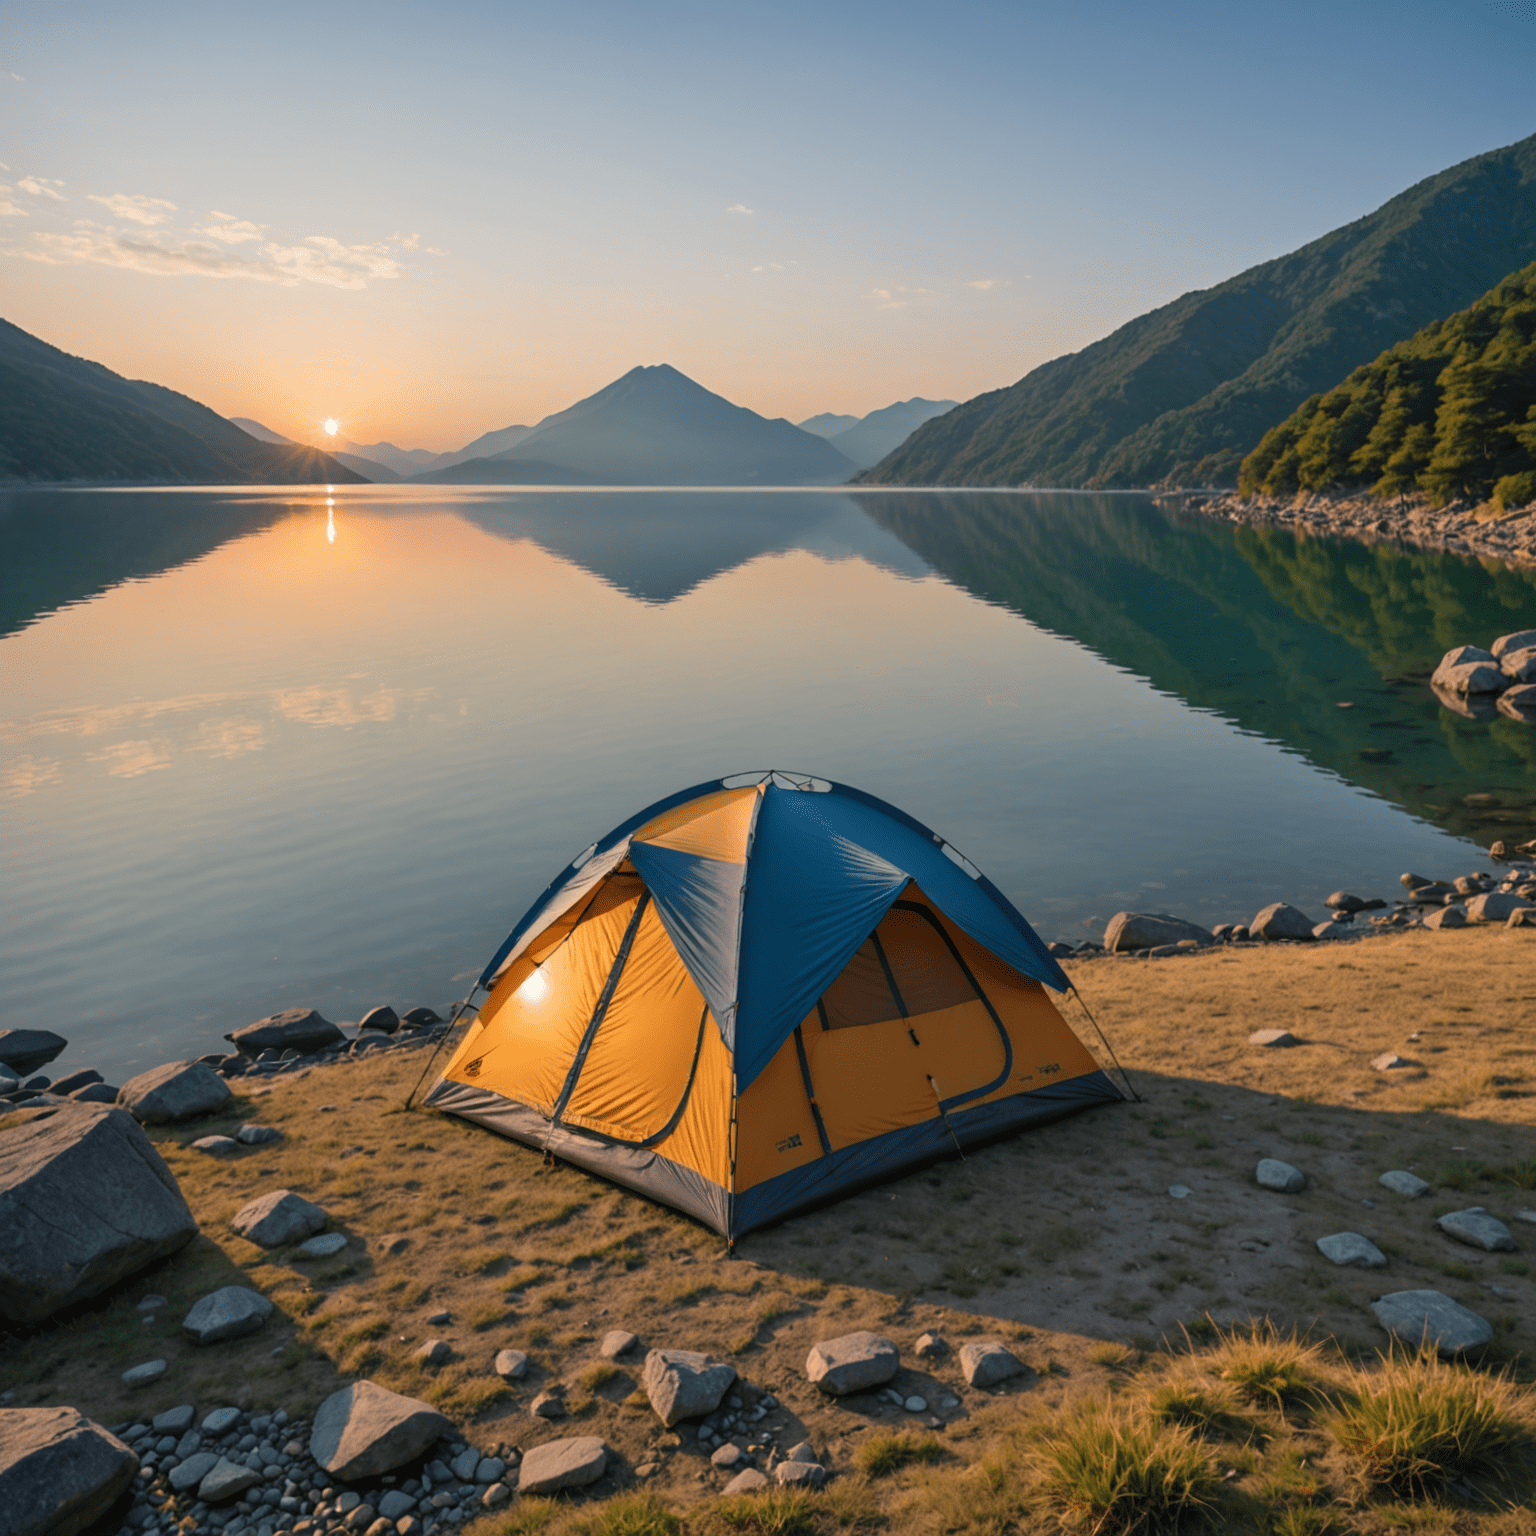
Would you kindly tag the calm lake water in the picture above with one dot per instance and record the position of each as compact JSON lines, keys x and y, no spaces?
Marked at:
{"x":262,"y":750}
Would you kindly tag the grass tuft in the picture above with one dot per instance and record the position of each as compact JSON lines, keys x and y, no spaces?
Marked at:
{"x":1266,"y":1366}
{"x":889,"y":1452}
{"x":778,"y":1512}
{"x":1208,"y":1411}
{"x":631,"y":1514}
{"x":598,"y":1376}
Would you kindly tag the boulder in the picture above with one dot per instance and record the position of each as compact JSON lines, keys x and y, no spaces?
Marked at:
{"x":684,"y":1385}
{"x":799,"y":1474}
{"x":66,"y":1085}
{"x":1431,"y":1317}
{"x":549,"y":1404}
{"x":987,"y":1362}
{"x":1272,"y":1039}
{"x":728,"y":1456}
{"x":1390,"y":1061}
{"x":561,"y":1464}
{"x":59,"y":1471}
{"x":1401,"y":1182}
{"x":1333,"y":930}
{"x":296,"y":1029}
{"x":278,"y":1217}
{"x":85,"y":1201}
{"x":1434,"y":894}
{"x":257,"y":1135}
{"x":96,"y":1093}
{"x":616,"y":1342}
{"x":180,"y":1090}
{"x":227,"y":1313}
{"x":931,"y":1346}
{"x":433,"y":1352}
{"x":1496,"y":907}
{"x":365,"y":1431}
{"x":384,"y":1019}
{"x":1477,"y":1229}
{"x":1351,"y":1248}
{"x":1128,"y":931}
{"x":1519,"y":666}
{"x":25,"y":1050}
{"x":852,"y":1363}
{"x":1343,"y":901}
{"x":226,"y":1481}
{"x":419,"y":1017}
{"x":1279,"y":921}
{"x":1519,"y":703}
{"x":1273,"y":1174}
{"x":1525,"y":918}
{"x":325,"y":1246}
{"x":750,"y":1481}
{"x":1469,"y":669}
{"x":216,"y":1146}
{"x":1519,"y":640}
{"x":510,"y":1364}
{"x":1446,"y":917}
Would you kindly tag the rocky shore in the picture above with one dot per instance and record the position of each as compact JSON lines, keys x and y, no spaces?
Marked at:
{"x":1479,"y":530}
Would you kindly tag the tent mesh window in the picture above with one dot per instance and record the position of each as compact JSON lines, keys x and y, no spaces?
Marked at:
{"x":906,"y":967}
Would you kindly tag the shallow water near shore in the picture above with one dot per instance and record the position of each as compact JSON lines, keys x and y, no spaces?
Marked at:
{"x":268,"y":749}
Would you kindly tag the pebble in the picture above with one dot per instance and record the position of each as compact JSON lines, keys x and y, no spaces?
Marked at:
{"x":1389,"y":1061}
{"x":433,"y":1352}
{"x":916,"y":1405}
{"x":1272,"y":1037}
{"x":256,"y":1135}
{"x":928,"y":1344}
{"x":1180,"y":1191}
{"x":439,"y":1319}
{"x":1401,"y":1182}
{"x":1352,"y":1248}
{"x":323,"y":1246}
{"x":510,"y":1364}
{"x":215,"y":1145}
{"x":138,"y":1375}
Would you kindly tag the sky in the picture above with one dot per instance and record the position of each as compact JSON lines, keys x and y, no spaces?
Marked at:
{"x":432,"y":221}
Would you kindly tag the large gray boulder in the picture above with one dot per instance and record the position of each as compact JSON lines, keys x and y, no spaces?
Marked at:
{"x":1477,"y":1229}
{"x":180,"y":1090}
{"x":987,"y":1362}
{"x":682,"y":1384}
{"x":561,"y":1464}
{"x":1519,"y":666}
{"x":1431,"y":1317}
{"x":1519,"y":640}
{"x":227,"y":1313}
{"x":1130,"y":931}
{"x":25,"y":1050}
{"x":852,"y":1363}
{"x":279,"y":1217}
{"x":1279,"y":920}
{"x":296,"y":1029}
{"x":1496,"y":907}
{"x":365,"y":1431}
{"x":385,"y":1019}
{"x":1469,"y":669}
{"x":59,"y":1471}
{"x":85,"y":1201}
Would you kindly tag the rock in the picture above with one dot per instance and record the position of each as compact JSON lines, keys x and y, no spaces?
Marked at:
{"x":1522,"y":919}
{"x":394,"y":1504}
{"x":85,"y":1201}
{"x":1272,"y":1038}
{"x":1412,"y":882}
{"x":384,"y":1019}
{"x":1273,"y":1174}
{"x":322,"y":1247}
{"x":1468,"y":669}
{"x":59,"y":1471}
{"x":142,"y":1375}
{"x":220,"y":1421}
{"x":189,"y":1473}
{"x":418,"y":1017}
{"x":1496,"y":907}
{"x":931,"y":1345}
{"x":1331,"y":930}
{"x":728,"y":1456}
{"x":228,"y":1480}
{"x":1520,"y":640}
{"x":66,"y":1085}
{"x":96,"y":1093}
{"x":1477,"y":1229}
{"x":799,"y":1474}
{"x":1180,"y":1191}
{"x":25,"y":1050}
{"x":174,"y":1421}
{"x":216,"y":1145}
{"x":1446,"y":917}
{"x":489,"y":1469}
{"x":463,"y":1465}
{"x":440,"y":1319}
{"x":1390,"y":1061}
{"x":560,"y":1464}
{"x":365,"y":1431}
{"x":684,"y":1385}
{"x":852,"y":1363}
{"x":433,"y":1352}
{"x":1280,"y":921}
{"x":750,"y":1481}
{"x":988,"y":1362}
{"x":1420,"y":1317}
{"x":1342,"y":901}
{"x":616,"y":1342}
{"x":278,"y":1217}
{"x":1129,"y":931}
{"x":915,"y":1404}
{"x":1351,"y":1248}
{"x":297,"y":1029}
{"x":255,"y":1135}
{"x":180,"y":1090}
{"x":226,"y":1314}
{"x":1519,"y":703}
{"x":1401,"y":1182}
{"x":1435,"y":894}
{"x":549,"y":1404}
{"x":511,"y":1364}
{"x":495,"y":1496}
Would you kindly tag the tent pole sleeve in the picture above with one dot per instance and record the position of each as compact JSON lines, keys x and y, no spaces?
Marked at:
{"x":810,"y":1092}
{"x":458,"y":1013}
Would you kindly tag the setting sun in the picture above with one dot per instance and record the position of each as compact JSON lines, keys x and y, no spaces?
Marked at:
{"x":331,"y":425}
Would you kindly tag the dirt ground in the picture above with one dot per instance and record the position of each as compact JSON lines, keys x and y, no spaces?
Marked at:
{"x":1064,"y":1241}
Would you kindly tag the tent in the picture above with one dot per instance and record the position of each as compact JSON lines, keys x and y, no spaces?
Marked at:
{"x":763,"y":993}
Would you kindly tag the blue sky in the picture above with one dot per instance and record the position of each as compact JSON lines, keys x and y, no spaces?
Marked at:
{"x":435,"y":220}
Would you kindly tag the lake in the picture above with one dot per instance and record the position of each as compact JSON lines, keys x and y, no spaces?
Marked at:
{"x":266,"y":749}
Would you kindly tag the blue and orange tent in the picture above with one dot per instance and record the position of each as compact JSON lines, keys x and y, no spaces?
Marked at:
{"x":760,"y":994}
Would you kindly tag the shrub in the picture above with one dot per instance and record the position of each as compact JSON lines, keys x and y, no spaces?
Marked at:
{"x":1419,"y":1423}
{"x":1111,"y":1472}
{"x":1515,"y":490}
{"x":1269,"y":1367}
{"x":885,"y":1453}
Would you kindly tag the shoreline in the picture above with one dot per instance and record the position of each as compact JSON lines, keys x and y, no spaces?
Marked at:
{"x":1475,"y":529}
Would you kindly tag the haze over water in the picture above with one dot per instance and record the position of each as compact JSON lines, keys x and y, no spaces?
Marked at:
{"x":265,"y":751}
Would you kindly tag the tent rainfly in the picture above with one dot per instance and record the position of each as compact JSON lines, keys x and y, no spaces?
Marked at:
{"x":760,"y":994}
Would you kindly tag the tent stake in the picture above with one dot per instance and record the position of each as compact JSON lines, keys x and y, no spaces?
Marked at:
{"x":458,"y":1013}
{"x":1125,"y":1076}
{"x":944,"y":1117}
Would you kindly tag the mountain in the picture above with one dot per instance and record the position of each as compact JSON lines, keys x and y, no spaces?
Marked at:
{"x":881,"y":432}
{"x":63,"y":418}
{"x":357,"y":461}
{"x":655,"y":426}
{"x":1182,"y":394}
{"x":486,"y":446}
{"x":827,"y":424}
{"x":1450,"y":412}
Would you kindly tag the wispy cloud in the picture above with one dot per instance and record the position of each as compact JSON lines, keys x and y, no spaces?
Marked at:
{"x":137,"y":210}
{"x":8,"y":209}
{"x":740,"y":208}
{"x":984,"y":283}
{"x":899,"y":298}
{"x":230,"y":230}
{"x":42,"y":186}
{"x":770,"y":266}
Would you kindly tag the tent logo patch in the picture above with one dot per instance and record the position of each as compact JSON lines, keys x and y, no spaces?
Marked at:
{"x":473,"y":1068}
{"x":789,"y":1143}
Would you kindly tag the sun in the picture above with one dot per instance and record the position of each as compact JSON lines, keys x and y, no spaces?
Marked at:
{"x":331,"y":425}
